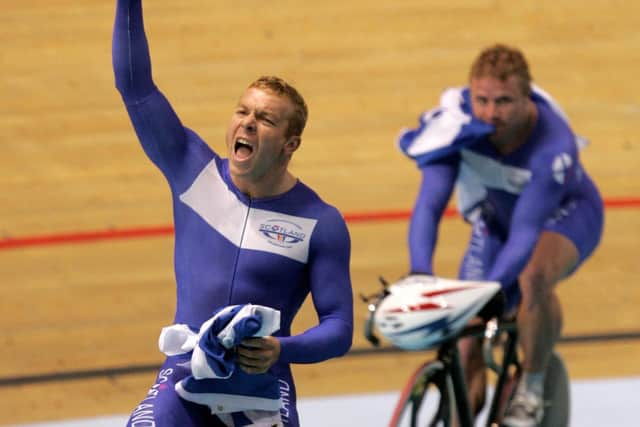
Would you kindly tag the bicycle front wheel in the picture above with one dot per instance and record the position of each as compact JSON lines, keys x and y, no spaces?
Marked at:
{"x":427,"y":399}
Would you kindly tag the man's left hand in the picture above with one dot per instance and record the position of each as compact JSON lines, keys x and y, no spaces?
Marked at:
{"x":257,"y":355}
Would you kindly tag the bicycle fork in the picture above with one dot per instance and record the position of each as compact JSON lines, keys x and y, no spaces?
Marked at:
{"x":450,"y":356}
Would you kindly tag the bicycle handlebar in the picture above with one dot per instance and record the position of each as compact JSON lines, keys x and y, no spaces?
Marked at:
{"x":372,"y":305}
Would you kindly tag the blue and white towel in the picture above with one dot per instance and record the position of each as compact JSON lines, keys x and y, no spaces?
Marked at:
{"x":215,"y":381}
{"x":451,"y":128}
{"x":443,"y":130}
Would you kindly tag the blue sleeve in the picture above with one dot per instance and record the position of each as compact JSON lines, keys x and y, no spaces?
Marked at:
{"x":437,"y":184}
{"x":536,"y":204}
{"x":159,"y":129}
{"x":332,"y":296}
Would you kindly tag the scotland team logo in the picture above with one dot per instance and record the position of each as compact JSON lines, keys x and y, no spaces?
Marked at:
{"x":282,"y":233}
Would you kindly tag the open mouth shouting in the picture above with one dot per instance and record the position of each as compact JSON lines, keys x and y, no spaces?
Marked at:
{"x":242,"y":149}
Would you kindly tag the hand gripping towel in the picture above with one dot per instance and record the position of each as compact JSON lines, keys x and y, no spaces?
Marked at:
{"x":215,"y":381}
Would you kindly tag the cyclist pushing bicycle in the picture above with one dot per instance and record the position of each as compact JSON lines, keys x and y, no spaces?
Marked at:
{"x":536,"y":216}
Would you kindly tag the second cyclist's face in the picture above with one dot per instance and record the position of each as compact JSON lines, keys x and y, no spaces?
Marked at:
{"x":257,"y":134}
{"x":502,"y":104}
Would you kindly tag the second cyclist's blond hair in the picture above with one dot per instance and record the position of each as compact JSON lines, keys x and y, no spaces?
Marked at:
{"x":501,"y":61}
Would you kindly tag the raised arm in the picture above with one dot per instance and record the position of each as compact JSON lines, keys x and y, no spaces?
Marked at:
{"x":160,"y":132}
{"x":131,"y":60}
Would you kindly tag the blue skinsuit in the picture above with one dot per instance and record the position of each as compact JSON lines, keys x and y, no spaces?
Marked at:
{"x":509,"y":199}
{"x":229,"y":248}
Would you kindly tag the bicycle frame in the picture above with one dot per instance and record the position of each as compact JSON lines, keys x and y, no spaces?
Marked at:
{"x":509,"y":358}
{"x":447,"y":365}
{"x":449,"y":355}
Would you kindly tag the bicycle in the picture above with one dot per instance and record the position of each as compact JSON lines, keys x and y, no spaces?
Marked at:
{"x":436,"y":394}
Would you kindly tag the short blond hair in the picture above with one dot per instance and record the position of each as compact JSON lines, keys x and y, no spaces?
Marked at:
{"x":280,"y":87}
{"x":501,"y":61}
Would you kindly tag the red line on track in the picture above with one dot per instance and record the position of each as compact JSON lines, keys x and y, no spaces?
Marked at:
{"x":164,"y":230}
{"x":376,"y":216}
{"x":85,"y":236}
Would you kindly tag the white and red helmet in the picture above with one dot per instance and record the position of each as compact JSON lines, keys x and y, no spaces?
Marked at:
{"x":421,"y":311}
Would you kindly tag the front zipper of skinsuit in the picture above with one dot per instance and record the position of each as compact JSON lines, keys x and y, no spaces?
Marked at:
{"x":239,"y":250}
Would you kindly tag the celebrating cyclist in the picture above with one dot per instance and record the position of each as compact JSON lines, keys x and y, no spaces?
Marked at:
{"x":247,"y":231}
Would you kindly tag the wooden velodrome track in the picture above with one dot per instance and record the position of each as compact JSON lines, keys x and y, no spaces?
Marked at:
{"x":71,"y":163}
